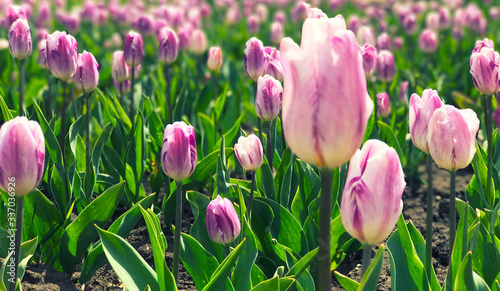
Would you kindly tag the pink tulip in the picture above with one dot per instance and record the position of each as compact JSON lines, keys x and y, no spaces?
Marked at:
{"x":268,"y":98}
{"x":385,"y":66}
{"x":325,"y":101}
{"x":383,"y":42}
{"x":410,"y":24}
{"x":87,"y":72}
{"x":20,"y":39}
{"x":249,"y":152}
{"x":253,"y":23}
{"x":371,"y":201}
{"x":369,"y":55}
{"x":276,"y":33}
{"x":421,"y":111}
{"x":223,"y":224}
{"x":178,"y":153}
{"x":42,"y":54}
{"x":119,"y":70}
{"x":452,"y":137}
{"x":62,"y":54}
{"x":428,"y":41}
{"x":365,"y":36}
{"x":383,"y":105}
{"x":214,"y":62}
{"x":198,"y":42}
{"x":484,"y":67}
{"x":274,"y":65}
{"x":133,"y":50}
{"x":169,"y":46}
{"x":13,"y":14}
{"x":256,"y":59}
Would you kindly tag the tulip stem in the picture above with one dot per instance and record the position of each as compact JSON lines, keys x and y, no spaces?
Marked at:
{"x":325,"y":217}
{"x":121,"y":94}
{"x":87,"y":143}
{"x":489,"y":131}
{"x":18,"y":238}
{"x":48,"y":104}
{"x":367,"y":257}
{"x":259,"y":126}
{"x":132,"y":97}
{"x":428,"y":229}
{"x":177,"y":234}
{"x":169,"y":96}
{"x":250,"y":200}
{"x":283,"y":141}
{"x":72,"y":92}
{"x":270,"y":152}
{"x":453,"y":212}
{"x":63,"y":121}
{"x":21,"y":88}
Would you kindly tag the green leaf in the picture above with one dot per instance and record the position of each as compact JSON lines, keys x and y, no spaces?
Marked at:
{"x":466,"y":279}
{"x":133,"y":270}
{"x":372,"y":275}
{"x":241,"y":276}
{"x":302,"y":264}
{"x":193,"y":255}
{"x":387,"y":135}
{"x":264,"y":179}
{"x":81,"y":232}
{"x":268,"y":285}
{"x":27,"y":250}
{"x":346,"y":282}
{"x":7,"y":115}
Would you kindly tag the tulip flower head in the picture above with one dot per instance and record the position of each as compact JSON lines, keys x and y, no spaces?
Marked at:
{"x":428,"y":41}
{"x":371,"y":202}
{"x":268,"y":98}
{"x":325,"y":102}
{"x":62,"y":54}
{"x":22,"y":152}
{"x":169,"y":46}
{"x":223,"y":224}
{"x":178,"y":153}
{"x":383,"y":42}
{"x":119,"y":70}
{"x":249,"y":152}
{"x":256,"y":59}
{"x":198,"y":42}
{"x":276,"y":33}
{"x":484,"y":67}
{"x":421,"y":111}
{"x":14,"y":13}
{"x":133,"y":50}
{"x":87,"y":72}
{"x":214,"y":62}
{"x":42,"y":54}
{"x":20,"y":39}
{"x":274,"y":65}
{"x":385,"y":66}
{"x":383,"y":105}
{"x":369,"y":54}
{"x":452,"y":137}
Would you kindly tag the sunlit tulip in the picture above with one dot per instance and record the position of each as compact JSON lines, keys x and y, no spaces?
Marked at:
{"x":42,"y":54}
{"x":119,"y":70}
{"x":383,"y":42}
{"x":410,"y":24}
{"x":198,"y":42}
{"x":256,"y":59}
{"x":274,"y":66}
{"x":371,"y":201}
{"x":62,"y":53}
{"x":452,"y":137}
{"x":383,"y":105}
{"x":87,"y":72}
{"x":365,"y":36}
{"x":421,"y":111}
{"x":432,"y":21}
{"x":22,"y":152}
{"x":276,"y":33}
{"x":325,"y":101}
{"x":428,"y":41}
{"x":14,"y":13}
{"x":403,"y":93}
{"x":20,"y":39}
{"x":223,"y":224}
{"x":385,"y":66}
{"x":249,"y":152}
{"x":268,"y":98}
{"x":214,"y":62}
{"x":369,"y":54}
{"x":178,"y":153}
{"x":252,"y":23}
{"x":317,"y":13}
{"x":133,"y":50}
{"x":484,"y":67}
{"x":169,"y":46}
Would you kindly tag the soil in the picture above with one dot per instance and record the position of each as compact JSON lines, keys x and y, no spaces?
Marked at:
{"x":43,"y":277}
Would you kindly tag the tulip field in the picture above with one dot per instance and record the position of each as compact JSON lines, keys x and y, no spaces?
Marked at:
{"x":258,"y":145}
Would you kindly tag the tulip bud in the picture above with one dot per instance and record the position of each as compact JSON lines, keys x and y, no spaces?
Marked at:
{"x":384,"y":105}
{"x":14,"y":13}
{"x":178,"y":153}
{"x":428,"y":41}
{"x":41,"y":34}
{"x":369,"y":54}
{"x":353,"y":23}
{"x":87,"y":72}
{"x":198,"y":42}
{"x":133,"y":49}
{"x":249,"y":152}
{"x":432,"y":21}
{"x":268,"y":98}
{"x":184,"y":34}
{"x":365,"y":36}
{"x":421,"y":111}
{"x":62,"y":53}
{"x":483,"y":43}
{"x":444,"y":18}
{"x":144,"y":24}
{"x":496,"y":117}
{"x":280,"y":17}
{"x":410,"y":24}
{"x":214,"y":62}
{"x":371,"y":201}
{"x":255,"y":59}
{"x":169,"y":46}
{"x":42,"y":54}
{"x":20,"y":39}
{"x":385,"y":66}
{"x":223,"y":224}
{"x":22,"y":152}
{"x":484,"y":67}
{"x":383,"y":42}
{"x":452,"y":137}
{"x":274,"y":66}
{"x":119,"y":70}
{"x":276,"y":33}
{"x":398,"y":42}
{"x":402,"y":93}
{"x":253,"y":23}
{"x":300,"y":11}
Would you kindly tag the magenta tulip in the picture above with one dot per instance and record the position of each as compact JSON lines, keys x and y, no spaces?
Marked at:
{"x":421,"y":111}
{"x":268,"y":98}
{"x":274,"y":65}
{"x":383,"y":105}
{"x":169,"y":46}
{"x":223,"y":224}
{"x":383,"y":42}
{"x":256,"y":59}
{"x":428,"y":41}
{"x":87,"y":72}
{"x":42,"y":54}
{"x":20,"y":39}
{"x":62,"y":54}
{"x":385,"y":66}
{"x":484,"y":67}
{"x":214,"y":61}
{"x":249,"y":152}
{"x":133,"y":51}
{"x":369,"y":55}
{"x":119,"y":70}
{"x":178,"y":153}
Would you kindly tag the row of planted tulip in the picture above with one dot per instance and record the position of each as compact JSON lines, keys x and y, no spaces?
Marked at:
{"x":333,"y":150}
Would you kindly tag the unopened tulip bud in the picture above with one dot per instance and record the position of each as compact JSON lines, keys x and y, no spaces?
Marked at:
{"x":444,"y":18}
{"x":119,"y":70}
{"x":214,"y":62}
{"x":483,"y":43}
{"x":20,"y":39}
{"x":365,"y":36}
{"x":403,"y":93}
{"x":369,"y":54}
{"x":432,"y":21}
{"x":384,"y":105}
{"x":133,"y":50}
{"x":410,"y":24}
{"x":249,"y":152}
{"x":178,"y":153}
{"x":484,"y":67}
{"x":353,"y":23}
{"x":385,"y":66}
{"x":253,"y":23}
{"x":274,"y":65}
{"x":280,"y":17}
{"x":22,"y":152}
{"x":268,"y":98}
{"x":452,"y":137}
{"x":62,"y":53}
{"x":87,"y":72}
{"x":398,"y":42}
{"x":42,"y":54}
{"x":276,"y":32}
{"x":14,"y":13}
{"x":317,"y":13}
{"x":256,"y":59}
{"x":41,"y":34}
{"x":169,"y":46}
{"x":262,"y":12}
{"x":300,"y":11}
{"x":371,"y":201}
{"x":428,"y":41}
{"x":223,"y":224}
{"x":383,"y":42}
{"x":198,"y":42}
{"x":421,"y":111}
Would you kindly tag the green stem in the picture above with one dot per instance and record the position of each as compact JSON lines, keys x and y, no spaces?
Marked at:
{"x":489,"y":131}
{"x":169,"y":97}
{"x":283,"y":141}
{"x":428,"y":229}
{"x":325,"y":217}
{"x":63,"y":120}
{"x":121,"y":94}
{"x":177,"y":234}
{"x":249,"y":210}
{"x":72,"y":92}
{"x":132,"y":96}
{"x":48,"y":104}
{"x":87,"y":141}
{"x":21,"y":88}
{"x":367,"y":257}
{"x":18,"y":238}
{"x":453,"y":213}
{"x":270,"y":152}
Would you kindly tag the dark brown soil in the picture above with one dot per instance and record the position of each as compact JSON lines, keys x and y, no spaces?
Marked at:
{"x":43,"y":277}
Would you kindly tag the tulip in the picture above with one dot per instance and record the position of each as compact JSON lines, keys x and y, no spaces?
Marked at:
{"x":428,"y":41}
{"x":87,"y":72}
{"x":280,"y":17}
{"x":268,"y":98}
{"x":371,"y":202}
{"x":133,"y":49}
{"x":169,"y":46}
{"x":223,"y":224}
{"x":398,"y":42}
{"x":274,"y":66}
{"x":41,"y":34}
{"x":383,"y":105}
{"x":256,"y":59}
{"x":383,"y":42}
{"x":125,"y":86}
{"x":444,"y":18}
{"x":120,"y":71}
{"x":385,"y":66}
{"x":249,"y":152}
{"x":421,"y":111}
{"x":369,"y":55}
{"x":214,"y":62}
{"x":62,"y":53}
{"x":317,"y":13}
{"x":276,"y":33}
{"x":145,"y":24}
{"x":365,"y":36}
{"x":300,"y":11}
{"x":22,"y":152}
{"x":198,"y":42}
{"x":184,"y":34}
{"x":353,"y":23}
{"x":20,"y":39}
{"x":178,"y":154}
{"x":432,"y":21}
{"x":253,"y":23}
{"x":484,"y":67}
{"x":402,"y":93}
{"x":410,"y":24}
{"x":452,"y":137}
{"x":14,"y":13}
{"x":483,"y":43}
{"x":42,"y":54}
